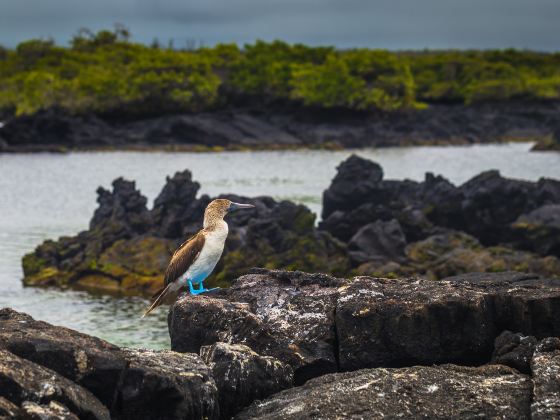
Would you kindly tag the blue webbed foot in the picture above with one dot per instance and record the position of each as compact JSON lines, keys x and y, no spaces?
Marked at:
{"x":200,"y":289}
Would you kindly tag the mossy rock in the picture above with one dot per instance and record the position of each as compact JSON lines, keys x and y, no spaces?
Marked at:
{"x":98,"y":283}
{"x":145,"y":285}
{"x":48,"y":276}
{"x":146,"y":255}
{"x":435,"y":246}
{"x":32,"y":264}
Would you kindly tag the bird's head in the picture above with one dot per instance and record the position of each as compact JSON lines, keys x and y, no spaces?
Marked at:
{"x":217,"y":209}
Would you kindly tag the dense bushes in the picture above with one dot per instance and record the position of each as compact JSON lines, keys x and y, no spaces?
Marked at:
{"x":105,"y":72}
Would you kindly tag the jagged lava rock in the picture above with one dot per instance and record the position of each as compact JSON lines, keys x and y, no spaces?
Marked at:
{"x":485,"y":206}
{"x":514,"y":350}
{"x":128,"y":247}
{"x":345,"y":192}
{"x":131,"y":383}
{"x":545,"y":367}
{"x":243,"y":376}
{"x":435,"y":392}
{"x":287,"y":315}
{"x":23,"y":381}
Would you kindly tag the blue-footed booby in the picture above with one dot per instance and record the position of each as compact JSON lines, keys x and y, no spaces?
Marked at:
{"x":196,"y":258}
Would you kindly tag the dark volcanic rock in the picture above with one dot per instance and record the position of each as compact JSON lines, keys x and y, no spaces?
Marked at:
{"x":166,"y":385}
{"x":274,"y":127}
{"x":355,"y":181}
{"x":514,"y":350}
{"x":122,"y":210}
{"x":23,"y":381}
{"x":88,"y":361}
{"x":364,"y":210}
{"x":243,"y":376}
{"x":545,"y":367}
{"x":539,"y":230}
{"x":52,"y":128}
{"x":176,"y":206}
{"x":485,"y":206}
{"x":287,"y":315}
{"x":378,"y":242}
{"x":128,"y":247}
{"x":132,"y":383}
{"x":319,"y":324}
{"x":438,"y":392}
{"x":397,"y":323}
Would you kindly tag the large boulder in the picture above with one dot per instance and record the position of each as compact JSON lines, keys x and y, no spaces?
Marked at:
{"x":243,"y":376}
{"x":131,"y":383}
{"x":287,"y":315}
{"x":320,"y":324}
{"x":434,"y":392}
{"x":32,"y":387}
{"x":491,"y":203}
{"x":402,"y":322}
{"x":165,"y":385}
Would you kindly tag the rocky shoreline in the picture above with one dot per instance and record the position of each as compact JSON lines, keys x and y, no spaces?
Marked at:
{"x":292,"y":345}
{"x":284,"y":127}
{"x":370,"y":226}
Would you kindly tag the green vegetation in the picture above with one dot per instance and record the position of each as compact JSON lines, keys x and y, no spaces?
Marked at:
{"x":106,"y":72}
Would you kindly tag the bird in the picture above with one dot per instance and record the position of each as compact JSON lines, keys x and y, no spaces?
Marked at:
{"x":196,"y":258}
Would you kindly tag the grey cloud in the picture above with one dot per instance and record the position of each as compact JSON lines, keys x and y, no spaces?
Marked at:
{"x":395,"y":24}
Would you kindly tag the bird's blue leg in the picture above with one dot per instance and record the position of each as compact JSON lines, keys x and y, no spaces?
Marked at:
{"x":202,"y":289}
{"x":191,"y":288}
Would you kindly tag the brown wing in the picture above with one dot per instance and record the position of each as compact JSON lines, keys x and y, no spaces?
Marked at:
{"x":184,"y":257}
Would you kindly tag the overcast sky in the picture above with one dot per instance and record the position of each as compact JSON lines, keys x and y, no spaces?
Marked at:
{"x":393,"y":24}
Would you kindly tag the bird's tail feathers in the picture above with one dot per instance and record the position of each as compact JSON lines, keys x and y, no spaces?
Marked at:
{"x":161,"y":295}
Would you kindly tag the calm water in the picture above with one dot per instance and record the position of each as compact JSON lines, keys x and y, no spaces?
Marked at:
{"x":48,"y":195}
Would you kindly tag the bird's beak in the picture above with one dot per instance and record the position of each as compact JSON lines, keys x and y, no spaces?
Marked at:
{"x":237,"y":206}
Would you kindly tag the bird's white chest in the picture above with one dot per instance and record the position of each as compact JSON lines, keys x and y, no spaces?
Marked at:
{"x":210,"y":254}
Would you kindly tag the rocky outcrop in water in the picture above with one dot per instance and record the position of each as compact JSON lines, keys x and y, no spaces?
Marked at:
{"x":128,"y":246}
{"x":55,"y":129}
{"x":370,"y":226}
{"x":435,"y":228}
